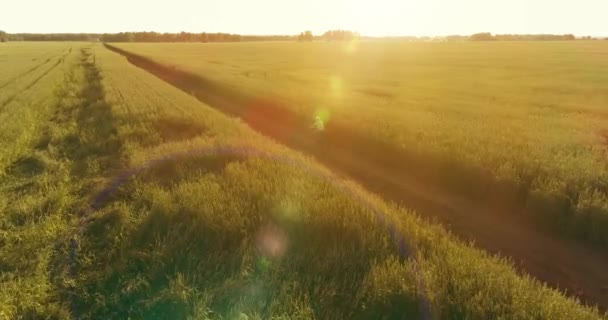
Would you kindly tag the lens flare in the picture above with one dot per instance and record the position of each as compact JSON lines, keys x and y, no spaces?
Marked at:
{"x":262,"y":264}
{"x":351,"y":46}
{"x":336,"y":86}
{"x":288,"y":210}
{"x":321,"y":118}
{"x":272,"y":241}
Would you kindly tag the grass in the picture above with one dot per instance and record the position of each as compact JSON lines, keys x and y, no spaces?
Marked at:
{"x":213,"y":236}
{"x":520,"y":123}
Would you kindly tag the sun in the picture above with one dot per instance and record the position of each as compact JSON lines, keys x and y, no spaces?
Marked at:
{"x":384,"y":17}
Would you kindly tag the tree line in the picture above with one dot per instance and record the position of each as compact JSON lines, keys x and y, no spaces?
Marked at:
{"x":486,"y":36}
{"x":51,"y":37}
{"x":185,"y":37}
{"x":340,"y":35}
{"x":305,"y":36}
{"x":3,"y":36}
{"x":331,"y":35}
{"x":141,"y":37}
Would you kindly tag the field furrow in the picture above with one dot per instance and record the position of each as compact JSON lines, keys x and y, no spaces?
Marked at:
{"x":34,"y":68}
{"x":31,"y":84}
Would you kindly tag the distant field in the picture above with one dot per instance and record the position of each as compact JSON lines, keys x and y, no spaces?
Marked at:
{"x":521,"y":122}
{"x":99,"y":218}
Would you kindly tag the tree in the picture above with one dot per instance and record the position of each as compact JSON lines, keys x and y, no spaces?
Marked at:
{"x":305,"y":36}
{"x":340,"y":35}
{"x":3,"y":36}
{"x":484,"y":36}
{"x":455,"y":38}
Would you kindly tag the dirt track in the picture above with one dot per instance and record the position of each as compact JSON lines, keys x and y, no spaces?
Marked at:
{"x":407,"y":178}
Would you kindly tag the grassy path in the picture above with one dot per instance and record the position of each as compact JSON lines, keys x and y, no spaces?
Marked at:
{"x":402,"y":177}
{"x":67,"y":153}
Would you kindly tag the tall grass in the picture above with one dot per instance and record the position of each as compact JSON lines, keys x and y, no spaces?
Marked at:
{"x":215,"y":236}
{"x":516,"y":123}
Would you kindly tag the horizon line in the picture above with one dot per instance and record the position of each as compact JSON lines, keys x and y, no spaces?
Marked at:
{"x":319,"y":34}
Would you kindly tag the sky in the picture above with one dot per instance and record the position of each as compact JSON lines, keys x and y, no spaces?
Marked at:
{"x":369,"y":17}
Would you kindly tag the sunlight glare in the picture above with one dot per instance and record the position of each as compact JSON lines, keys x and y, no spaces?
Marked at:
{"x":376,"y":17}
{"x":370,"y":18}
{"x":272,"y":241}
{"x":288,"y":210}
{"x":351,"y":46}
{"x":335,"y":85}
{"x":321,"y":118}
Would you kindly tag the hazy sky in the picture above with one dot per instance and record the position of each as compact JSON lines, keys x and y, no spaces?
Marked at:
{"x":370,"y":17}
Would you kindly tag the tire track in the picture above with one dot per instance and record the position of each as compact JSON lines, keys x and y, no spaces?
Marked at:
{"x":25,"y":73}
{"x":33,"y":83}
